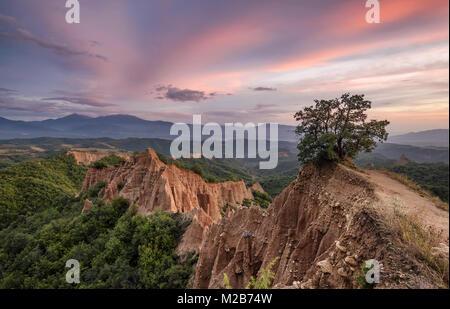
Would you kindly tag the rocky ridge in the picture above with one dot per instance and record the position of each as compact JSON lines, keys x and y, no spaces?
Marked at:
{"x":87,"y":158}
{"x":320,"y":230}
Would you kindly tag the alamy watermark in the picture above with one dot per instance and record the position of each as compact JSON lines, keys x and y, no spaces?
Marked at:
{"x":373,"y":14}
{"x":249,"y":136}
{"x":73,"y":14}
{"x":73,"y":275}
{"x":373,"y":273}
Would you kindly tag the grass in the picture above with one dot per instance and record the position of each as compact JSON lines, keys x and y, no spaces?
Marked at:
{"x":421,"y":240}
{"x":112,"y":160}
{"x":265,"y":279}
{"x":415,"y":187}
{"x":361,"y":277}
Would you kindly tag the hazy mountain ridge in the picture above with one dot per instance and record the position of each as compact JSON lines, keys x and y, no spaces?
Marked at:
{"x":128,"y":126}
{"x":112,"y":126}
{"x":79,"y":126}
{"x":428,"y":138}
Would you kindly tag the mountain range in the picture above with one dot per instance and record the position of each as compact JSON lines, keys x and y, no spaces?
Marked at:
{"x":429,"y":138}
{"x":113,"y":126}
{"x":125,"y":126}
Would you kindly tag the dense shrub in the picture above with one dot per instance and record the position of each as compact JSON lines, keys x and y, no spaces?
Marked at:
{"x":262,"y":199}
{"x":111,"y":160}
{"x":31,"y":186}
{"x":198,"y":169}
{"x":115,"y":249}
{"x":162,"y":158}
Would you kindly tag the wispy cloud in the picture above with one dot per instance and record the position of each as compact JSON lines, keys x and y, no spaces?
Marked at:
{"x":182,"y":95}
{"x":264,"y":89}
{"x":81,"y":101}
{"x":8,"y":19}
{"x":19,"y":33}
{"x":264,"y":106}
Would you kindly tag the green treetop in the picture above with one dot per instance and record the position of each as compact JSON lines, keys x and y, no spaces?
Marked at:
{"x":337,"y":129}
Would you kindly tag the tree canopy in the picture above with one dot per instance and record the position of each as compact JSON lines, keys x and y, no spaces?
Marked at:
{"x":337,"y":129}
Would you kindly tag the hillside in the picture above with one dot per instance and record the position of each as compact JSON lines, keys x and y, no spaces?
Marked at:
{"x":321,"y":229}
{"x":30,"y":187}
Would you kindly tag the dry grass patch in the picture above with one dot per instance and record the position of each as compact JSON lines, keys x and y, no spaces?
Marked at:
{"x":423,"y":242}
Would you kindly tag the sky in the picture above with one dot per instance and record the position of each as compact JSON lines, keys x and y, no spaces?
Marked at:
{"x":230,"y":61}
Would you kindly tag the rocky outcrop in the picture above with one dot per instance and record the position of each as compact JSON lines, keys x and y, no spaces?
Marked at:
{"x":150,"y":184}
{"x":87,"y":158}
{"x":320,"y":230}
{"x":403,"y":160}
{"x":257,"y":187}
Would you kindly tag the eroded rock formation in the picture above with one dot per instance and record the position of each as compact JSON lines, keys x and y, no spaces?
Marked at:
{"x":320,"y":229}
{"x":87,"y":158}
{"x":150,"y":184}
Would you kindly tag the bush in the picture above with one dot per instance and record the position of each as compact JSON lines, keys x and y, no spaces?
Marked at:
{"x":162,"y":158}
{"x":361,"y":278}
{"x":247,"y":202}
{"x":266,"y":276}
{"x":93,"y":192}
{"x":264,"y":280}
{"x":99,"y":165}
{"x":120,"y":186}
{"x":198,"y":169}
{"x":111,"y":160}
{"x":262,"y":199}
{"x":178,"y":164}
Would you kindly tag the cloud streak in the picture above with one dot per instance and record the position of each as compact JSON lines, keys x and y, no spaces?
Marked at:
{"x":264,"y":89}
{"x":81,"y":101}
{"x":182,"y":95}
{"x":22,"y":34}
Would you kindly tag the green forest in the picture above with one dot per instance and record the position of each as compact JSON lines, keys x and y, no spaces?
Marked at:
{"x":43,"y":227}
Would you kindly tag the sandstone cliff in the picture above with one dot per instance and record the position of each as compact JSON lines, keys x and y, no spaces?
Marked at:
{"x":321,"y":228}
{"x":87,"y":158}
{"x":150,"y":184}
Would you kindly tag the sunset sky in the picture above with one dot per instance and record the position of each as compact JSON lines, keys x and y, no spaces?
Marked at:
{"x":258,"y":61}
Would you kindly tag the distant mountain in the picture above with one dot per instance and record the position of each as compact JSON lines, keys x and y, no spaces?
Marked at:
{"x":113,"y":126}
{"x":127,"y":126}
{"x":418,"y":154}
{"x":79,"y":126}
{"x":430,"y":138}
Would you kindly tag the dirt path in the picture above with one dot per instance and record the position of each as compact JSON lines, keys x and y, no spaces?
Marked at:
{"x":391,"y":192}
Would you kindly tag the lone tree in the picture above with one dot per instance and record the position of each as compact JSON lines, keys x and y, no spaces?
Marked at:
{"x":337,"y":129}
